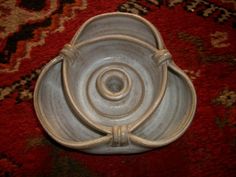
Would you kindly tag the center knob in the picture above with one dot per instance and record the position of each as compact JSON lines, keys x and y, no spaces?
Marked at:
{"x":113,"y":83}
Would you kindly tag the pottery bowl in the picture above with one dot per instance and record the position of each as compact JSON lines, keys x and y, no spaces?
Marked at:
{"x":114,"y":93}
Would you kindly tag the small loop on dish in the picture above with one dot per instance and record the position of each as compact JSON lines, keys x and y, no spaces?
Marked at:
{"x":162,"y":56}
{"x":68,"y":51}
{"x":120,"y":136}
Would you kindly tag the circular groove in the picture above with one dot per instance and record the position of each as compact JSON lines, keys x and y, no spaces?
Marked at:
{"x":136,"y":106}
{"x":113,"y":83}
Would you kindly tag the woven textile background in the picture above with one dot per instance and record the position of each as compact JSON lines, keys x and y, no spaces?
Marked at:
{"x":201,"y":36}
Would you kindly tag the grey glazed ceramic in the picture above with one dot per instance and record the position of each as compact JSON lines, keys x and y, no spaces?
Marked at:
{"x":114,"y":89}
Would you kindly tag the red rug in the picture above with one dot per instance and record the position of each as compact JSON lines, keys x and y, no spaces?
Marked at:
{"x":201,"y":36}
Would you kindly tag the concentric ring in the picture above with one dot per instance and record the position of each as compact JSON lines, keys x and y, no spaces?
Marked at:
{"x":130,"y":96}
{"x":113,"y":83}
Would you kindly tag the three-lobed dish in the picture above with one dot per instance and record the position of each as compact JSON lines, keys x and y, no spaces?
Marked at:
{"x":114,"y":89}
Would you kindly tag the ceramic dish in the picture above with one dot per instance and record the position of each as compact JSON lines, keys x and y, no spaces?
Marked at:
{"x":115,"y":92}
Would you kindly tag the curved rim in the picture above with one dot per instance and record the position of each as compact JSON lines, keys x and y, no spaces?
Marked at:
{"x":155,"y":32}
{"x":80,"y":114}
{"x":47,"y":126}
{"x":188,"y":117}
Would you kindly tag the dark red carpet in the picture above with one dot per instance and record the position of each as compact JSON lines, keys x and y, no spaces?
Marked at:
{"x":201,"y":36}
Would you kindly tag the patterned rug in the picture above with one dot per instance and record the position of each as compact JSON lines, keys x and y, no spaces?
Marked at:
{"x":201,"y":36}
